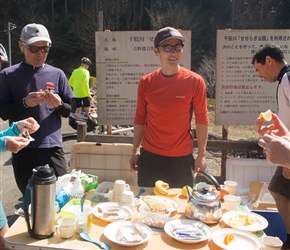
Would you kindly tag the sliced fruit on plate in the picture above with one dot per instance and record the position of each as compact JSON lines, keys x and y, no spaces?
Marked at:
{"x":229,"y":238}
{"x":251,"y":220}
{"x":236,"y":222}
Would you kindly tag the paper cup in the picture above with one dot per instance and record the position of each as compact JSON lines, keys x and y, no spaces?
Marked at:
{"x":65,"y":227}
{"x":232,"y":186}
{"x":120,"y":186}
{"x":84,"y":219}
{"x":127,"y":198}
{"x":231,"y":202}
{"x":271,"y":243}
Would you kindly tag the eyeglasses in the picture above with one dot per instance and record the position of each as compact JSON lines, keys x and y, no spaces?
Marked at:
{"x":169,"y":48}
{"x":35,"y":49}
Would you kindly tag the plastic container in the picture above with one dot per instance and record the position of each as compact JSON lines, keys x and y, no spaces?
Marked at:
{"x":84,"y":219}
{"x":102,"y":192}
{"x":62,"y":198}
{"x":69,"y":209}
{"x":276,"y":226}
{"x":89,"y":182}
{"x":77,"y":190}
{"x":108,"y":161}
{"x":154,"y":214}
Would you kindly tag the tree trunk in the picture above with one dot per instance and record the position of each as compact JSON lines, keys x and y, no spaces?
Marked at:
{"x":141,"y":14}
{"x":117,"y":15}
{"x":134,"y":15}
{"x":65,"y":8}
{"x":52,"y":12}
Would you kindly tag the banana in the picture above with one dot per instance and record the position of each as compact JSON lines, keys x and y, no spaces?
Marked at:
{"x":161,"y":189}
{"x":156,"y":192}
{"x":171,"y":194}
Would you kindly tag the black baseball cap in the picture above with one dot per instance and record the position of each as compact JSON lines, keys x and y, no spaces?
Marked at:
{"x":166,"y":34}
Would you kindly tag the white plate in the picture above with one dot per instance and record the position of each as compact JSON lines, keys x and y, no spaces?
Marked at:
{"x":243,"y":240}
{"x":110,"y":231}
{"x":125,"y":212}
{"x":204,"y":230}
{"x":173,"y":203}
{"x":260,"y":224}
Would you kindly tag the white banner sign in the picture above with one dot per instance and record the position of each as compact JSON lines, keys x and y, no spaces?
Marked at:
{"x":240,"y":94}
{"x":122,"y":58}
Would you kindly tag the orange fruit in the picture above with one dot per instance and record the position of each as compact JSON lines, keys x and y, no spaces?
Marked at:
{"x":251,"y":220}
{"x":184,"y":192}
{"x":267,"y":115}
{"x":229,"y":239}
{"x":236,"y":221}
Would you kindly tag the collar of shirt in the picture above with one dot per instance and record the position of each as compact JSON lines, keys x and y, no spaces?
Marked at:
{"x":285,"y":69}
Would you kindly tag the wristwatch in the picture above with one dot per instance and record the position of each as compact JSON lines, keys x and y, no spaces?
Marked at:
{"x":60,"y":106}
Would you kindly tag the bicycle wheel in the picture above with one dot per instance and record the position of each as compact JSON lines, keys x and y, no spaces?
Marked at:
{"x":68,"y":141}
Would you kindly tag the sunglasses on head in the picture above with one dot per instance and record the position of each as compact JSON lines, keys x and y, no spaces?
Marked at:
{"x":169,"y":48}
{"x":35,"y":49}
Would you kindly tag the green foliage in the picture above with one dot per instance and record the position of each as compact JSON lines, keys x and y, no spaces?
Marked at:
{"x":72,"y":23}
{"x":93,"y":82}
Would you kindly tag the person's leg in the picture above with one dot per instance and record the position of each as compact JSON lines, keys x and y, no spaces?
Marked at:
{"x":279,"y":188}
{"x":3,"y":230}
{"x":179,"y":171}
{"x":54,"y":157}
{"x":23,"y":164}
{"x":283,"y":205}
{"x":73,"y":105}
{"x":28,"y":158}
{"x":150,"y":169}
{"x":87,"y":106}
{"x":78,"y":111}
{"x":79,"y":106}
{"x":87,"y":111}
{"x":3,"y":226}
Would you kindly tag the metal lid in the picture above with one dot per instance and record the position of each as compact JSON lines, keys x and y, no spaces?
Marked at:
{"x":43,"y":175}
{"x":204,"y":195}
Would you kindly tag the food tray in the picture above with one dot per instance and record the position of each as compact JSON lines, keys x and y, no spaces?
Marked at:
{"x":102,"y":192}
{"x":153,"y":218}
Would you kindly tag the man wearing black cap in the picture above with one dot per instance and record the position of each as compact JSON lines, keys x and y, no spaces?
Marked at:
{"x":35,"y":89}
{"x":167,"y":98}
{"x":79,"y":81}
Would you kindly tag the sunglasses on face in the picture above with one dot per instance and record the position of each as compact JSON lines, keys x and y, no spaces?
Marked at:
{"x":35,"y":49}
{"x":169,"y":48}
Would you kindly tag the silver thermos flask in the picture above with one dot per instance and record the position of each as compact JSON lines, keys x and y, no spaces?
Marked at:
{"x":39,"y":202}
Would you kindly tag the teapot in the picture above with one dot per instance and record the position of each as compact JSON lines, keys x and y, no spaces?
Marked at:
{"x":204,"y":204}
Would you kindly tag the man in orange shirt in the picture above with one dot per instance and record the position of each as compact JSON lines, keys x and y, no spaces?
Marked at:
{"x":167,"y":98}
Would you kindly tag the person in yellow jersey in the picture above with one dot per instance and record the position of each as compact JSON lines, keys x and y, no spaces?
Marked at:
{"x":79,"y":81}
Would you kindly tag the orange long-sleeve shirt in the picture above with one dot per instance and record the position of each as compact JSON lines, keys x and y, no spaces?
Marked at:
{"x":165,"y":106}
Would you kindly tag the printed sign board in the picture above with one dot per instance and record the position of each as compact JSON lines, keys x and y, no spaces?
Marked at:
{"x":122,"y":58}
{"x":240,"y":94}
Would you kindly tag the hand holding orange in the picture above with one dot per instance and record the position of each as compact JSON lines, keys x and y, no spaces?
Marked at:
{"x":267,"y":115}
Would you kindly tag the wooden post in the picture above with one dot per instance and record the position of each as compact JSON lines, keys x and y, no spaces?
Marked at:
{"x":224,"y":151}
{"x":81,"y":131}
{"x":109,"y":129}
